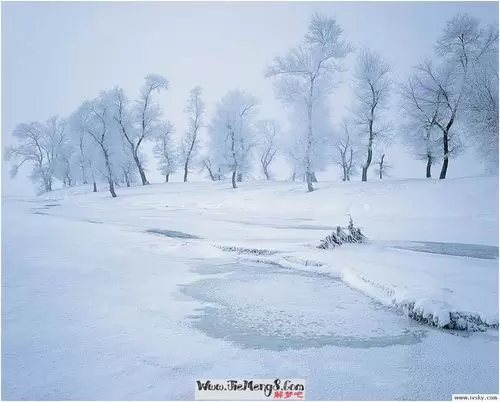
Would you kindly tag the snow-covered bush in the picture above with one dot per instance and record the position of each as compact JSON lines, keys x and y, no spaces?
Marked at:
{"x":350,"y":234}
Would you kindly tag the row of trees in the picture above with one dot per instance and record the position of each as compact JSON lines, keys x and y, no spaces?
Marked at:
{"x":103,"y":140}
{"x":442,"y":100}
{"x":445,"y":104}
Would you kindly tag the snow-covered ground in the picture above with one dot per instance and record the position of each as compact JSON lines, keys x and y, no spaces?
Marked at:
{"x":136,"y":298}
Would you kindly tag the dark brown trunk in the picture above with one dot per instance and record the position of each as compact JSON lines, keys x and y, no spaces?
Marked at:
{"x":167,"y":177}
{"x":95,"y":188}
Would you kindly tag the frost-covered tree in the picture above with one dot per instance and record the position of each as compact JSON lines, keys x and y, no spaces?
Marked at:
{"x":438,"y":88}
{"x":138,"y":121}
{"x":29,"y":150}
{"x":305,"y":76}
{"x":321,"y":149}
{"x":96,"y":119}
{"x":446,"y":85}
{"x":419,"y":111}
{"x":232,"y":133}
{"x":195,"y":109}
{"x":481,"y":111}
{"x":268,"y":131}
{"x":371,"y":87}
{"x":38,"y":145}
{"x":347,"y":156}
{"x":126,"y":166}
{"x":66,"y":159}
{"x":164,"y":150}
{"x":87,"y":154}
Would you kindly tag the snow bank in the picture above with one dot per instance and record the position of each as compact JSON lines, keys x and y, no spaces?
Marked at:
{"x":444,"y":291}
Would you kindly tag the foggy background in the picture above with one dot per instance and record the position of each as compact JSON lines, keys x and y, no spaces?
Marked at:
{"x":56,"y":55}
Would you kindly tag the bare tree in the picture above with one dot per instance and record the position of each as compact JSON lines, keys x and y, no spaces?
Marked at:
{"x":371,"y":88}
{"x":347,"y":156}
{"x":194,"y":109}
{"x":268,"y":131}
{"x":305,"y":75}
{"x":383,"y":168}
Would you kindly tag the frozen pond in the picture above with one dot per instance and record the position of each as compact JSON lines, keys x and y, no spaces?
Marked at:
{"x":267,"y":309}
{"x":283,"y":312}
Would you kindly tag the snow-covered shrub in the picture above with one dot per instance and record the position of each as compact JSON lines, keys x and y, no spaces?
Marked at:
{"x":350,"y":234}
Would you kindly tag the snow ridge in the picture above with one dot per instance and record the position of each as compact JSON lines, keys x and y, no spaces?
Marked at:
{"x":430,"y":311}
{"x":436,"y":313}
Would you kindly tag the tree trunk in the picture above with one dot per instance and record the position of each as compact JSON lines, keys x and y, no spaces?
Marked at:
{"x":381,"y":167}
{"x":294,"y":174}
{"x":364,"y":174}
{"x":444,"y":168}
{"x":112,"y":188}
{"x":209,"y":171}
{"x":429,"y":165}
{"x":233,"y":179}
{"x":166,"y":177}
{"x":64,"y":181}
{"x":264,"y":168}
{"x":186,"y":171}
{"x":127,"y":180}
{"x":110,"y":173}
{"x":310,"y":187}
{"x":239,"y":178}
{"x":95,"y":187}
{"x":144,"y":180}
{"x":313,"y":177}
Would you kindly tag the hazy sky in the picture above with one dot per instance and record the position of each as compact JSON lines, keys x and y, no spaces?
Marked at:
{"x":55,"y":55}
